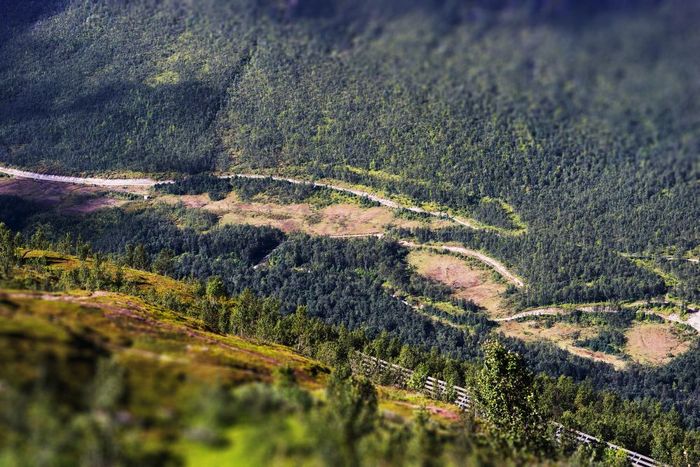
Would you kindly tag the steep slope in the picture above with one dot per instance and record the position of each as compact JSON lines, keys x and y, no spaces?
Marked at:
{"x":113,"y":369}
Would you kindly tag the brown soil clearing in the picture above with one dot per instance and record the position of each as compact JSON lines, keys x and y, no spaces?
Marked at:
{"x":466,"y":281}
{"x":562,"y":335}
{"x":656,"y":343}
{"x":333,"y":220}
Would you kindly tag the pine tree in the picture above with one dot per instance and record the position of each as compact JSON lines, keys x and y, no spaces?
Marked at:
{"x":505,"y":395}
{"x":8,"y":251}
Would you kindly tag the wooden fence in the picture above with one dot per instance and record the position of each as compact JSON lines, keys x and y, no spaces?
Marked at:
{"x":438,"y":389}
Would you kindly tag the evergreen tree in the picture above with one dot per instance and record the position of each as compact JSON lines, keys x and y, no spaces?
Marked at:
{"x":504,"y":392}
{"x":8,"y":251}
{"x":351,"y":414}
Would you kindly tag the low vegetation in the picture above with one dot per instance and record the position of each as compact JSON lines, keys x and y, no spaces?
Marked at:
{"x":467,"y":279}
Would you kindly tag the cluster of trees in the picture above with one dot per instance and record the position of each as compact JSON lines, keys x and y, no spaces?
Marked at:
{"x":9,"y":254}
{"x":643,"y":424}
{"x":554,"y":271}
{"x":535,"y":398}
{"x":343,"y":282}
{"x":687,"y":278}
{"x":450,"y":102}
{"x":247,"y":188}
{"x":196,"y":185}
{"x":611,"y":338}
{"x":610,"y":341}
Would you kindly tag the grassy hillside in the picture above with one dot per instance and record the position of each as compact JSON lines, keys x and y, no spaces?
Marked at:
{"x":136,"y":382}
{"x":91,"y":344}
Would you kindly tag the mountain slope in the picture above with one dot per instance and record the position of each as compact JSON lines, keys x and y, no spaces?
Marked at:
{"x":583,"y":120}
{"x":139,"y":383}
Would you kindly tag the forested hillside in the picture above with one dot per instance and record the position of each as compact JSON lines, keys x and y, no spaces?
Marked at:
{"x":98,"y":357}
{"x":559,"y":139}
{"x":339,"y":281}
{"x":582,"y":116}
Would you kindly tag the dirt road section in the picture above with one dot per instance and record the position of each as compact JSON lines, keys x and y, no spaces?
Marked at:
{"x":364,"y":194}
{"x":493,"y":263}
{"x":106,"y":182}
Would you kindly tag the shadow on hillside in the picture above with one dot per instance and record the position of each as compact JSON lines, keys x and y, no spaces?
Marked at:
{"x":565,"y":12}
{"x":120,"y":124}
{"x":18,"y":15}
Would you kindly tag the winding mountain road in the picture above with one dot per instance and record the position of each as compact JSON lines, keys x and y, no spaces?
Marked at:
{"x":549,"y":311}
{"x":147,"y":182}
{"x":553,"y":310}
{"x":106,"y":182}
{"x":693,"y":319}
{"x":364,"y":194}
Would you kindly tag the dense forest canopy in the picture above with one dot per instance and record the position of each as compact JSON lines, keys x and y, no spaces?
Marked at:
{"x":582,"y":116}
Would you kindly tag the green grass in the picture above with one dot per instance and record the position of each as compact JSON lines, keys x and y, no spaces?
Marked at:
{"x":156,"y":344}
{"x":669,"y":279}
{"x":147,"y":337}
{"x":273,"y":441}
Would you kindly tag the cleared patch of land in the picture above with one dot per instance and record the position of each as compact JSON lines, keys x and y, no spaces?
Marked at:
{"x":67,"y":197}
{"x":648,"y":343}
{"x":563,"y":335}
{"x":334,"y":220}
{"x":483,"y":258}
{"x":656,"y":343}
{"x":466,"y":280}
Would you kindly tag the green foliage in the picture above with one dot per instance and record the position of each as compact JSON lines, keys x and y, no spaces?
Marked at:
{"x":8,"y":251}
{"x":196,"y":185}
{"x":505,"y":391}
{"x":419,"y":377}
{"x":426,"y":446}
{"x":351,"y":414}
{"x":163,"y":262}
{"x":215,"y":288}
{"x":615,"y":458}
{"x":644,"y":426}
{"x":136,"y":256}
{"x":687,"y":275}
{"x":609,"y":341}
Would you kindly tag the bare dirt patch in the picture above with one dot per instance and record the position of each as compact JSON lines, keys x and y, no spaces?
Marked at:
{"x":465,"y":280}
{"x":334,"y":220}
{"x":288,"y":218}
{"x":67,"y":197}
{"x":655,"y":343}
{"x":190,"y":201}
{"x":563,"y":335}
{"x":351,"y":219}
